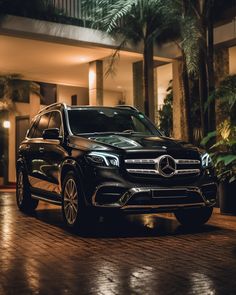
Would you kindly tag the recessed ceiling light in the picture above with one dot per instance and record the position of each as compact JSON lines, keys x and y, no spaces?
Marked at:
{"x":82,"y":59}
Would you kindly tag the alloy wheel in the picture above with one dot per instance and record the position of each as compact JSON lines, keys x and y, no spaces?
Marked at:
{"x":70,"y":201}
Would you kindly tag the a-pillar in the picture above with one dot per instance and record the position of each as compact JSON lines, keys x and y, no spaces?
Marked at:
{"x":96,"y":83}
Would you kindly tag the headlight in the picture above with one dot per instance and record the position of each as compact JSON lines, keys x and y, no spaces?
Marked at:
{"x":103,"y":159}
{"x":206,"y":160}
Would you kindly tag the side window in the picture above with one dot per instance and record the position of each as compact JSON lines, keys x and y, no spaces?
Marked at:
{"x":55,"y":121}
{"x":42,"y":124}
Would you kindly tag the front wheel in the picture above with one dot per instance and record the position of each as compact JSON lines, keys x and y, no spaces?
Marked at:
{"x":23,"y":195}
{"x":75,"y":213}
{"x":194,"y":217}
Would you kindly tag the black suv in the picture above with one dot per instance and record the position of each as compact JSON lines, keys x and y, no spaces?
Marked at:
{"x":95,"y":160}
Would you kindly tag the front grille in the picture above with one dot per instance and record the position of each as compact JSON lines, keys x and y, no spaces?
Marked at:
{"x":149,"y":167}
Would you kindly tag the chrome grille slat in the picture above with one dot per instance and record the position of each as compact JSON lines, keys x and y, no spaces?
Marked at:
{"x":154,"y":161}
{"x":140,"y":161}
{"x":134,"y":166}
{"x":152,"y":171}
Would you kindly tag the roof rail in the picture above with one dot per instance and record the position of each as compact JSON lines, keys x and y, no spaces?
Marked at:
{"x":52,"y":105}
{"x":127,"y":107}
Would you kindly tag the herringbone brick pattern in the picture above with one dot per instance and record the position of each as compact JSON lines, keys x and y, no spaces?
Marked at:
{"x":135,"y":255}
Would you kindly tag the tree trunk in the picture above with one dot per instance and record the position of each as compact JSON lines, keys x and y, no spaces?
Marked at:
{"x":149,"y":105}
{"x":211,"y":78}
{"x":186,"y":98}
{"x":203,"y":91}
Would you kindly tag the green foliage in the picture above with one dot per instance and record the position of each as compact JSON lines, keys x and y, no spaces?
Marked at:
{"x":129,"y":21}
{"x":224,"y":150}
{"x":12,"y":84}
{"x":166,"y":113}
{"x":226,"y":93}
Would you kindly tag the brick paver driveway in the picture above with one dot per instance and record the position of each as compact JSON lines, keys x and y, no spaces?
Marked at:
{"x":137,"y":255}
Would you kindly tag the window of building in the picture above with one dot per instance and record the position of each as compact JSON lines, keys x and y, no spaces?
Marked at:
{"x":74,"y":100}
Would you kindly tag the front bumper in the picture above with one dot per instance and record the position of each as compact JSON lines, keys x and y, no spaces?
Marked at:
{"x":151,"y":198}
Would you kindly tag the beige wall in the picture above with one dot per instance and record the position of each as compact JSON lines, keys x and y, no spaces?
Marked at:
{"x":164,"y":75}
{"x":112,"y":98}
{"x":232,"y":60}
{"x":64,"y":94}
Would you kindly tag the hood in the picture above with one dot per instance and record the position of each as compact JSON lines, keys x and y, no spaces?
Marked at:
{"x":137,"y":142}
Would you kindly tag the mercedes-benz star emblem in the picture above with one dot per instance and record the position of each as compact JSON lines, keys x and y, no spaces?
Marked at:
{"x":166,"y":166}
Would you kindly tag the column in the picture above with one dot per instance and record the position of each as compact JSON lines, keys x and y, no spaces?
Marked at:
{"x":180,"y":127}
{"x":96,"y":83}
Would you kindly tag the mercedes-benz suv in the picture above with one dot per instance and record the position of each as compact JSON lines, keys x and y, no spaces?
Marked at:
{"x":97,"y":160}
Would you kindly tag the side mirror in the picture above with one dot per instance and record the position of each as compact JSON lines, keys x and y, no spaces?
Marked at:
{"x":52,"y":133}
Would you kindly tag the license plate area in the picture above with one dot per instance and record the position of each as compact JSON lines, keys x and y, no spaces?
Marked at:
{"x":183,"y":193}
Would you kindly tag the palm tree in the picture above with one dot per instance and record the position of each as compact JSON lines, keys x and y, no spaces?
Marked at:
{"x":12,"y":85}
{"x":194,"y":18}
{"x":138,"y":21}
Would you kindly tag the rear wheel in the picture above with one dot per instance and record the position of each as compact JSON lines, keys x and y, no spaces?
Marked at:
{"x":75,"y":213}
{"x":194,"y":217}
{"x":23,"y":195}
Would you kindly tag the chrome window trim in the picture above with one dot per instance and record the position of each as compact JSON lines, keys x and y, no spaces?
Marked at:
{"x":40,"y":139}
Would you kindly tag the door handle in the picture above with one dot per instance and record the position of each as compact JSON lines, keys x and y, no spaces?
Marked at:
{"x":41,"y":149}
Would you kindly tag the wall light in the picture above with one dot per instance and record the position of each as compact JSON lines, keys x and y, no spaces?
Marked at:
{"x":6,"y":124}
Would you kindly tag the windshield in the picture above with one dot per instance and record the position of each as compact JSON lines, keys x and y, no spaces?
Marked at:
{"x":109,"y":121}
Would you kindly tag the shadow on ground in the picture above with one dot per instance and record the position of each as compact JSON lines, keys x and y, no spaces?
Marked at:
{"x":125,"y":226}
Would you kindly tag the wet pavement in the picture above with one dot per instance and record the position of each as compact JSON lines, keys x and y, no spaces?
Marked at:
{"x":148,"y":254}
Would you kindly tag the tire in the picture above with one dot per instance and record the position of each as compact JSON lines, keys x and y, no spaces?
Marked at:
{"x":194,"y":217}
{"x":75,"y":213}
{"x":23,"y":195}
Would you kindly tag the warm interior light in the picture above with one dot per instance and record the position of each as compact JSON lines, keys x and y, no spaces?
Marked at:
{"x":6,"y":124}
{"x":92,"y":78}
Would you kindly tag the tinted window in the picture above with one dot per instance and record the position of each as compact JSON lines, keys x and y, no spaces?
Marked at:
{"x":42,"y":124}
{"x":55,"y":121}
{"x":109,"y":120}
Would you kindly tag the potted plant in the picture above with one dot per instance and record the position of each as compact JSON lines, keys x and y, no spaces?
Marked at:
{"x":223,"y":152}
